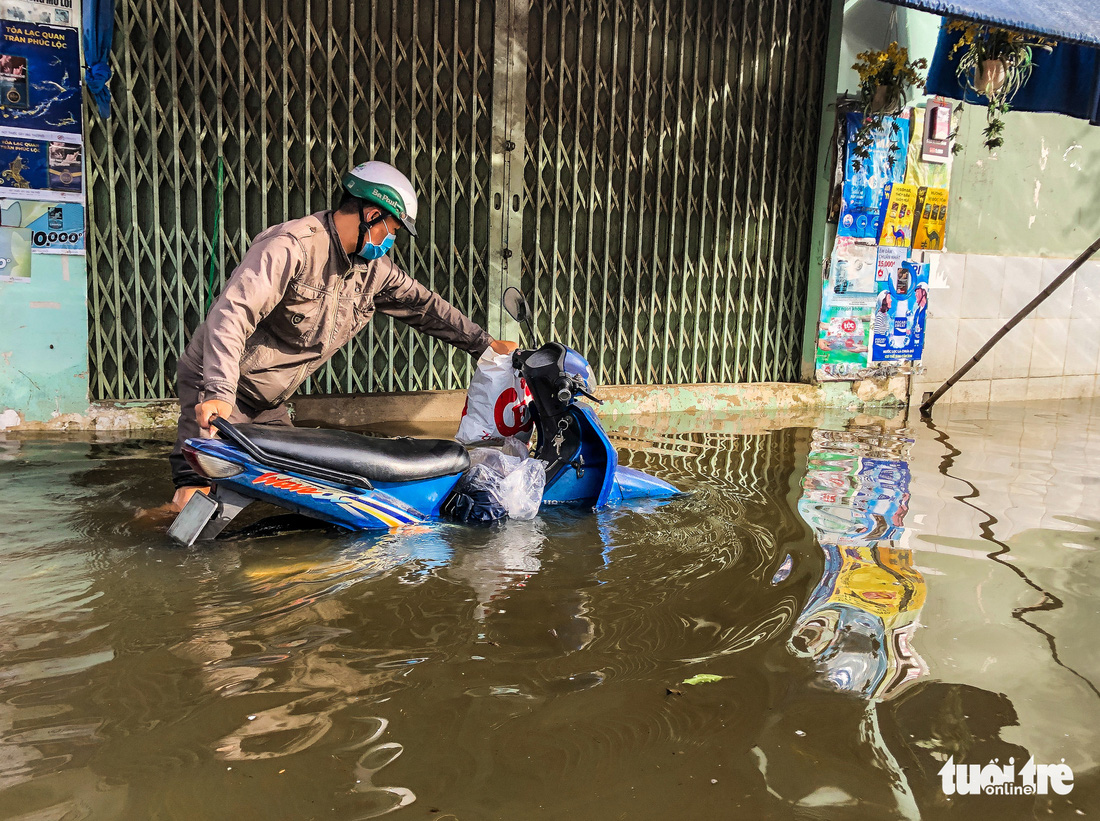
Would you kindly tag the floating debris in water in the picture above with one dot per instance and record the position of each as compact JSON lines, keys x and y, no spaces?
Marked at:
{"x":784,"y":570}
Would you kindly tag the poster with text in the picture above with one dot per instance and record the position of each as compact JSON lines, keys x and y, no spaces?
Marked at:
{"x":931,"y":219}
{"x":23,"y":166}
{"x":899,"y":201}
{"x":887,"y":262}
{"x":40,"y":95}
{"x":50,"y":12}
{"x":66,"y":166}
{"x":897,"y":332}
{"x":32,"y":169}
{"x":52,"y":227}
{"x":847,"y":299}
{"x":59,"y":229}
{"x":865,"y":178}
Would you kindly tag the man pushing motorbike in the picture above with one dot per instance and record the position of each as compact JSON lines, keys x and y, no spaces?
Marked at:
{"x":303,"y":289}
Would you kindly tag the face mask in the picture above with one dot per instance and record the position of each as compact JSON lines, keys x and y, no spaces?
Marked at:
{"x":372,"y":251}
{"x":369,"y":250}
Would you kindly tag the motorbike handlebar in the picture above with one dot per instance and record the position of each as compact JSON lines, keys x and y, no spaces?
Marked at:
{"x":565,"y":386}
{"x":565,"y":389}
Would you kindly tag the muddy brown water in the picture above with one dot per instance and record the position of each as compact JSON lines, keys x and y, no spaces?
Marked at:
{"x":876,"y":594}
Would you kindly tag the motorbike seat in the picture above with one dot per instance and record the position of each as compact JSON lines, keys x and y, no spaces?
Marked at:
{"x":379,"y":460}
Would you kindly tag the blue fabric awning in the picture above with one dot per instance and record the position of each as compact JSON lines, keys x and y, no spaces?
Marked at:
{"x":1065,"y":80}
{"x":1073,"y":21}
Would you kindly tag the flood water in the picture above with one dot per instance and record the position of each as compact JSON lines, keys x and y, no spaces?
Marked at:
{"x":877,"y":595}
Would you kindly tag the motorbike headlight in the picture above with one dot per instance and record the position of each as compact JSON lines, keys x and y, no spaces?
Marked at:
{"x":212,"y":467}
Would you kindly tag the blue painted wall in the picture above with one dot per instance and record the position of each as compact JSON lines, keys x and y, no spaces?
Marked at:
{"x":44,"y":340}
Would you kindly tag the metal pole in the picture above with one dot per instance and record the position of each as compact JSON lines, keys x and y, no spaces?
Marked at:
{"x":930,"y":399}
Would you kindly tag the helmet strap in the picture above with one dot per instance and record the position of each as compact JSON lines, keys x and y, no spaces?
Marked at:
{"x":364,"y":226}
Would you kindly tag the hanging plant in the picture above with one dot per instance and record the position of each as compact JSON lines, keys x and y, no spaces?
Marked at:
{"x":995,"y":64}
{"x":885,"y":78}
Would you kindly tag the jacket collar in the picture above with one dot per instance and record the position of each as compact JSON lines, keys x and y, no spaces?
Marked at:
{"x":353,"y":264}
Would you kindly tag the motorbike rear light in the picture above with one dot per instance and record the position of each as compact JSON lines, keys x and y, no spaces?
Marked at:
{"x":211,"y":466}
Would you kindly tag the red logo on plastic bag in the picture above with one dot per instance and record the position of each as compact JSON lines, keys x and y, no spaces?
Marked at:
{"x":509,"y":400}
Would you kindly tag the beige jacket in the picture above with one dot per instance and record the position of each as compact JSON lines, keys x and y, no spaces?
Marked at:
{"x":297,"y":298}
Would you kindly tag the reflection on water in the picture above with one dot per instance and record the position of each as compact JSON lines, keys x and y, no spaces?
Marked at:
{"x":859,"y":624}
{"x":876,"y":598}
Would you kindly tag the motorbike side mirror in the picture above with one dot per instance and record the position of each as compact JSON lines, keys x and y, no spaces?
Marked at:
{"x":515,"y":303}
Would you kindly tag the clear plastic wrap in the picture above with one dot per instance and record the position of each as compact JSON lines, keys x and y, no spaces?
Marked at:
{"x":497,"y":486}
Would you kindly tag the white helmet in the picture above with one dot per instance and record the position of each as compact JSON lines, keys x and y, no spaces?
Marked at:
{"x":383,"y":185}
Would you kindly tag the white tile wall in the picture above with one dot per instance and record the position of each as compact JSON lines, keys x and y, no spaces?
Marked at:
{"x":1054,"y":353}
{"x":976,"y":391}
{"x":1086,"y":290}
{"x":1082,"y":345}
{"x":1021,"y":283}
{"x":1048,"y":348}
{"x":1012,"y":355}
{"x":983,"y":280}
{"x":946,"y":301}
{"x":1059,"y":304}
{"x":973,"y":333}
{"x":939,"y":345}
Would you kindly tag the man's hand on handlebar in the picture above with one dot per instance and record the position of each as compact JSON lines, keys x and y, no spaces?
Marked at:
{"x":503,"y":347}
{"x":206,"y":412}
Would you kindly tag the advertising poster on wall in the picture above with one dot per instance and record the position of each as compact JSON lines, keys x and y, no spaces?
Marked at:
{"x":56,"y":227}
{"x":49,"y":12}
{"x":931,"y":222}
{"x":935,"y":131}
{"x":919,"y":171}
{"x":895,"y":208}
{"x":847,"y":300}
{"x":899,"y":201}
{"x":23,"y":166}
{"x":50,"y":227}
{"x":66,"y":166}
{"x":866,"y":178}
{"x":31,"y":168}
{"x":40,"y":93}
{"x":41,"y":150}
{"x":887,"y":261}
{"x":897,"y":332}
{"x":28,"y":227}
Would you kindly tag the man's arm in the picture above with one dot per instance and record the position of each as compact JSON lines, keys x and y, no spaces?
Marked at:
{"x":253,"y":291}
{"x":403,"y":297}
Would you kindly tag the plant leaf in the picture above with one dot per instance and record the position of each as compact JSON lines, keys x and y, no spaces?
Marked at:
{"x":703,"y":678}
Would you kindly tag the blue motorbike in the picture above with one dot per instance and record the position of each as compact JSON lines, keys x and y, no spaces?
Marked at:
{"x":360,"y":482}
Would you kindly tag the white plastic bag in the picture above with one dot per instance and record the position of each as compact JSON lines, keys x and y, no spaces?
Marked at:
{"x":496,"y":403}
